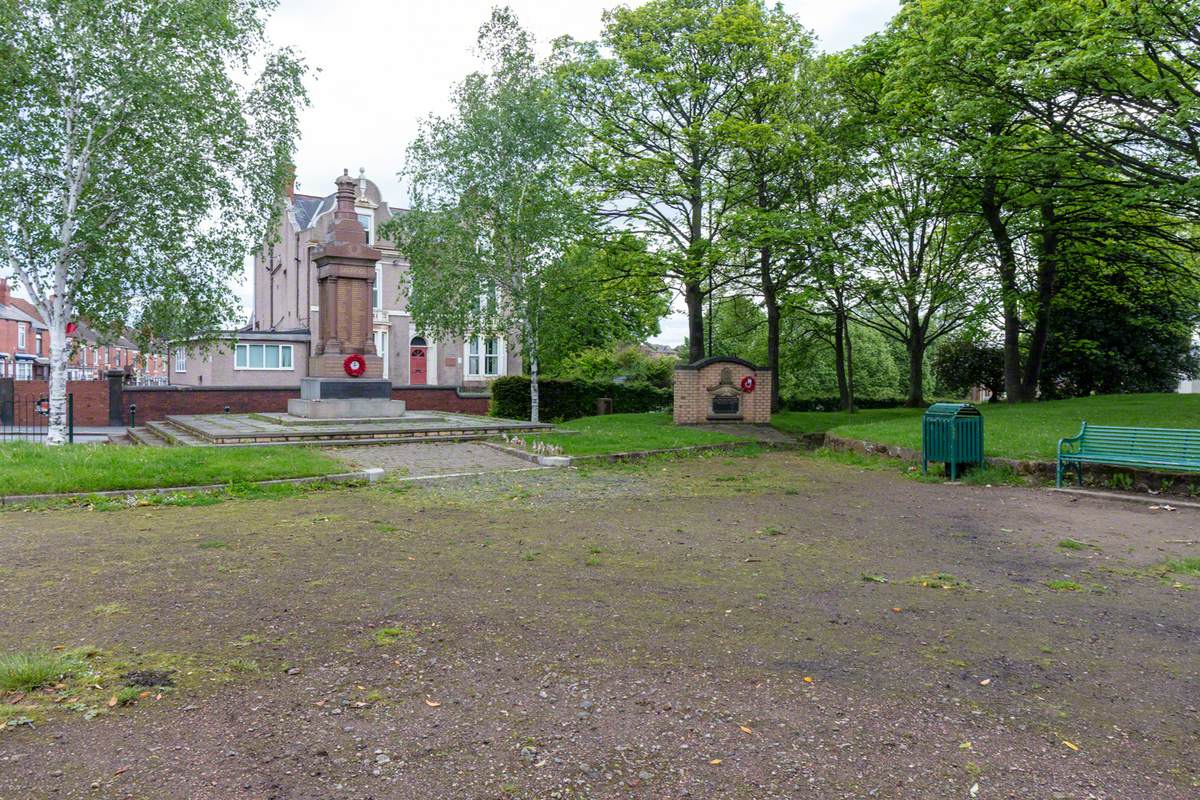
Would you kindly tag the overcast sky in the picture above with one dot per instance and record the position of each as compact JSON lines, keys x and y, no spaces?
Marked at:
{"x":385,"y":64}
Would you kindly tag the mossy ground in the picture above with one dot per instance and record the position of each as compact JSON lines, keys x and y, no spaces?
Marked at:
{"x":666,"y":603}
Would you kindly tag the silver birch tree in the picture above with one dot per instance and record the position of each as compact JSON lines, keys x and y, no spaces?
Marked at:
{"x":138,"y":161}
{"x":494,"y":212}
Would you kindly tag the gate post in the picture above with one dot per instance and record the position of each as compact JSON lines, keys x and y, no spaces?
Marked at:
{"x":7,"y":395}
{"x":116,"y":397}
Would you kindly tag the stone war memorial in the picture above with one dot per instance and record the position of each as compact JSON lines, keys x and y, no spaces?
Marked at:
{"x":345,"y":373}
{"x":722,"y":389}
{"x":345,"y":398}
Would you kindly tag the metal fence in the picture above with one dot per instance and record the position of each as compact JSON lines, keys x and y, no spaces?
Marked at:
{"x":28,"y":420}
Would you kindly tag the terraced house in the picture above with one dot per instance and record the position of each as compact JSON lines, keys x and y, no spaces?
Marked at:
{"x":25,"y":348}
{"x":24,"y":338}
{"x":273,"y":349}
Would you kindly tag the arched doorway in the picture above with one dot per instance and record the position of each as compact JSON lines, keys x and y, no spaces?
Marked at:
{"x":417,"y":362}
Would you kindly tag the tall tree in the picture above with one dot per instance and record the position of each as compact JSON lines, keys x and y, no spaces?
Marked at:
{"x":775,"y":129}
{"x":949,"y":71}
{"x":622,"y":300}
{"x":494,"y":211}
{"x":138,"y":169}
{"x":828,"y":184}
{"x":923,"y":267}
{"x":1122,"y":78}
{"x":650,"y":98}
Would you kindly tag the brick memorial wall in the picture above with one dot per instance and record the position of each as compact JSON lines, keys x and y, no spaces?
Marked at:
{"x":724,"y":380}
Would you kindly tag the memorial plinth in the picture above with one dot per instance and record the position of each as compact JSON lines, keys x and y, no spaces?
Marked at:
{"x":345,"y":398}
{"x":346,"y":374}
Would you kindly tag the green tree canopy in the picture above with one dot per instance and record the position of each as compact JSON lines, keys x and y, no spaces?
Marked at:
{"x":138,"y":169}
{"x":494,"y":212}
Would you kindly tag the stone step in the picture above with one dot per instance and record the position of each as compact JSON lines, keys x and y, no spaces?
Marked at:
{"x":146,"y":437}
{"x":256,"y":429}
{"x":173,"y":434}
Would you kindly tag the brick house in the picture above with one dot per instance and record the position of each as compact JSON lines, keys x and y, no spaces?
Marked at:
{"x":25,"y":348}
{"x":273,"y":349}
{"x":24,"y":338}
{"x":91,"y":355}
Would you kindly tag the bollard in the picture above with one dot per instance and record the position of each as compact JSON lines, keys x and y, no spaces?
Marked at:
{"x":133,"y":415}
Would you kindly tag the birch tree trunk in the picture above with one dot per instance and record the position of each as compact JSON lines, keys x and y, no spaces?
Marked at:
{"x":56,"y":432}
{"x":533,"y":389}
{"x":531,"y":348}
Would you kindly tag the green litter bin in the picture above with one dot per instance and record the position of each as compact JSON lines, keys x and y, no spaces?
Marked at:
{"x":953,"y":434}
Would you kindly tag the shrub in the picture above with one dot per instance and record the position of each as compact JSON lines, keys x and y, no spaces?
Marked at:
{"x":571,"y":399}
{"x":962,"y":364}
{"x":629,"y":363}
{"x":831,"y":403}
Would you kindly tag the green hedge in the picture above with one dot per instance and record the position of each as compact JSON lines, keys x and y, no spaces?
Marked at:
{"x":831,"y":403}
{"x":571,"y":399}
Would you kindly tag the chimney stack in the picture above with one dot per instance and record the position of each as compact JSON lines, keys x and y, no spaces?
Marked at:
{"x":290,"y":182}
{"x":4,"y":294}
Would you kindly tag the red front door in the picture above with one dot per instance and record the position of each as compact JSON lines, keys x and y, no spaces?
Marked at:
{"x":416,"y":366}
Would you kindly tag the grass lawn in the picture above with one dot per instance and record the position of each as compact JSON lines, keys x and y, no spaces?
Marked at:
{"x":28,"y":468}
{"x":1015,"y":431}
{"x":619,"y":433}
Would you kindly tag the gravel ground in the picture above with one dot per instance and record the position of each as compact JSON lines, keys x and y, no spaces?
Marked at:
{"x":724,"y":627}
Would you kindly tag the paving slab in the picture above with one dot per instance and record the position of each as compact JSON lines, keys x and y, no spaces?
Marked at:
{"x":242,"y":429}
{"x":419,"y":459}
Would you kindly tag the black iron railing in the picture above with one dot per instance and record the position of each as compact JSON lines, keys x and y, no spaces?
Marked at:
{"x":29,"y":420}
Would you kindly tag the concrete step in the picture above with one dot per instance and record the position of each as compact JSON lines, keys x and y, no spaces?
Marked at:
{"x":173,"y":434}
{"x":145,"y":437}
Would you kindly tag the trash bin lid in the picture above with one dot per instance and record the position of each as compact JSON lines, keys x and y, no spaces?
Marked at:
{"x":952,"y":410}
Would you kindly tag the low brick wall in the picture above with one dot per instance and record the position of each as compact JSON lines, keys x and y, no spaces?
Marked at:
{"x":442,"y":398}
{"x":159,"y":402}
{"x":91,"y":398}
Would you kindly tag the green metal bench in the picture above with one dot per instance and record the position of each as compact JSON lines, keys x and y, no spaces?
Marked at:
{"x":1166,"y":449}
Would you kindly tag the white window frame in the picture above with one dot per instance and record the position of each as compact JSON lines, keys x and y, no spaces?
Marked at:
{"x":369,"y":213}
{"x":382,"y":346}
{"x":377,"y":289}
{"x":472,"y":360}
{"x":244,"y":364}
{"x":476,"y":349}
{"x":20,"y":335}
{"x":23,"y":371}
{"x":180,"y":361}
{"x":488,"y":344}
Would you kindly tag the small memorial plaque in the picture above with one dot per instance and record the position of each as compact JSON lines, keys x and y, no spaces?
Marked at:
{"x":725,"y":405}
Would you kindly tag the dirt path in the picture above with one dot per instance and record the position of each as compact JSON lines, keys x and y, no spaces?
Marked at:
{"x":704,"y":628}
